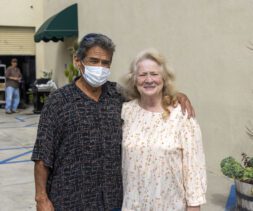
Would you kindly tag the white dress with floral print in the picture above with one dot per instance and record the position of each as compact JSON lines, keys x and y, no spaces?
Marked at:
{"x":163,"y":162}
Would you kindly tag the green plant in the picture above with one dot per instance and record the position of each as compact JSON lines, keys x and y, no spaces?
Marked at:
{"x":71,"y":72}
{"x":235,"y":170}
{"x":249,"y":131}
{"x":72,"y":50}
{"x":47,"y":74}
{"x":43,"y":99}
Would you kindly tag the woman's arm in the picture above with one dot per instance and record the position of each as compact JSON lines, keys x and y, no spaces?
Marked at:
{"x":194,"y":170}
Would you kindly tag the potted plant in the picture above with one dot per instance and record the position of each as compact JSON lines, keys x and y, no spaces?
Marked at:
{"x":242,"y":173}
{"x":71,"y":72}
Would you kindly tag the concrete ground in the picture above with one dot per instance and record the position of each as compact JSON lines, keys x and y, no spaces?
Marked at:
{"x":17,"y":136}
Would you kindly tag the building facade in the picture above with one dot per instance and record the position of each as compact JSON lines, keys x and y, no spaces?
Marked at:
{"x":206,"y":43}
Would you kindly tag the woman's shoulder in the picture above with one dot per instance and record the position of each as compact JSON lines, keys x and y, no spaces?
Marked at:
{"x":128,"y":108}
{"x":177,"y":113}
{"x":130,"y":104}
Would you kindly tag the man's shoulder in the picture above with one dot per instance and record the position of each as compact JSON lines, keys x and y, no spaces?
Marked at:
{"x":113,"y":88}
{"x":111,"y":84}
{"x":9,"y":68}
{"x":55,"y":101}
{"x":60,"y":95}
{"x":66,"y":89}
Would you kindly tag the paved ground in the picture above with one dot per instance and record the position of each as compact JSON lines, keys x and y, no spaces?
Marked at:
{"x":17,"y":135}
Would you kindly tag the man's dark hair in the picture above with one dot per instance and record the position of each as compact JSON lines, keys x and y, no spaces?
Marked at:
{"x":92,"y":40}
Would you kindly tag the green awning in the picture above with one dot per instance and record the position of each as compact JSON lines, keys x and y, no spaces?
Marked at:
{"x":63,"y":24}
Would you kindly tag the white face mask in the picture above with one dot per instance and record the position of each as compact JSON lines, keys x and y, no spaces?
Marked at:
{"x":96,"y":76}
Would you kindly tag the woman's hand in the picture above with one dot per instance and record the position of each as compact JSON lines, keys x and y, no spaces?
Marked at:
{"x":185,"y":104}
{"x":193,"y":208}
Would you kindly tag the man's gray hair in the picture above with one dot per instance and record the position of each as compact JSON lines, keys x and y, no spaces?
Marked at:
{"x":92,"y":40}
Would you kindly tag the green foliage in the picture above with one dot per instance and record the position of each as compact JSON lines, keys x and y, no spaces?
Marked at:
{"x":233,"y":169}
{"x":47,"y":74}
{"x":250,"y":162}
{"x":247,"y":161}
{"x":71,"y":72}
{"x":73,"y":48}
{"x":248,"y":173}
{"x":43,"y":99}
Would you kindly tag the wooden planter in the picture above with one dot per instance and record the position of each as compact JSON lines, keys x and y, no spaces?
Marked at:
{"x":244,"y":196}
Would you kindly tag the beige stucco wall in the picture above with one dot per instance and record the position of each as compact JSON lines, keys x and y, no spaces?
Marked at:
{"x":20,"y":13}
{"x":205,"y":43}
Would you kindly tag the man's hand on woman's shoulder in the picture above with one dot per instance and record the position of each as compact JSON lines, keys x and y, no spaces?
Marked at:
{"x":185,"y":104}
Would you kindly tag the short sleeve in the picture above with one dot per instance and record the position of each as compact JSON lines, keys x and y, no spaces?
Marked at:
{"x":49,"y":132}
{"x":128,"y":108}
{"x":8,"y":72}
{"x":194,"y":169}
{"x":19,"y":73}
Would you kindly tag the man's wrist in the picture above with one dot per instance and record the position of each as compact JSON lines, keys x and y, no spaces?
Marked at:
{"x":41,"y":197}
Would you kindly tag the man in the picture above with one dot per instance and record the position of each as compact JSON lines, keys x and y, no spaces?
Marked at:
{"x":13,"y":77}
{"x":77,"y":153}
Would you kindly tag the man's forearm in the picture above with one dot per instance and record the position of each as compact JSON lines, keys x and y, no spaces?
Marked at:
{"x":13,"y":78}
{"x":185,"y":104}
{"x":41,"y":176}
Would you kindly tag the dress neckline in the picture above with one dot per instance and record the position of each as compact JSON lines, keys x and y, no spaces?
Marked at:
{"x":145,"y":110}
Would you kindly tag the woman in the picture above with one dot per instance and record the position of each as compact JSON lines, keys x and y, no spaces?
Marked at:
{"x":163,"y":160}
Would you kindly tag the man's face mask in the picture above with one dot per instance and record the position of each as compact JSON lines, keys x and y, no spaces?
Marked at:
{"x":95,"y":75}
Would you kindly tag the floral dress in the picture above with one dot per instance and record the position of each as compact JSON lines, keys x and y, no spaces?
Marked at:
{"x":163,"y":162}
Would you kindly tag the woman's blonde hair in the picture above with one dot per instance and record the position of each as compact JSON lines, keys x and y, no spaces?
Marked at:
{"x":168,"y":92}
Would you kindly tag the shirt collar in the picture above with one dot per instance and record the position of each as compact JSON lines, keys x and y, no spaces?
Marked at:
{"x":107,"y":89}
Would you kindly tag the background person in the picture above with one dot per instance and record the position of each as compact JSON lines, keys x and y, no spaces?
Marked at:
{"x":163,"y":161}
{"x":12,"y":96}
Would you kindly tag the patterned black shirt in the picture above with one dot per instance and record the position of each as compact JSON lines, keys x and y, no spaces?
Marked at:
{"x":80,"y":141}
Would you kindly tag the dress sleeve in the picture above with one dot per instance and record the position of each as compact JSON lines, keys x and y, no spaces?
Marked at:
{"x":49,"y":132}
{"x":123,"y":111}
{"x":194,"y":170}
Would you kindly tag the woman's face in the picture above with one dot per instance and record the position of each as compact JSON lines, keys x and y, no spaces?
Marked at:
{"x":149,"y":80}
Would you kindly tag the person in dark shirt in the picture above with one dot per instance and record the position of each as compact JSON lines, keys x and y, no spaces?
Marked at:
{"x":12,"y":97}
{"x":77,"y":152}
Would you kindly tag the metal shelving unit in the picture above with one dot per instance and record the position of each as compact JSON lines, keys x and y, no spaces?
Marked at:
{"x":2,"y":84}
